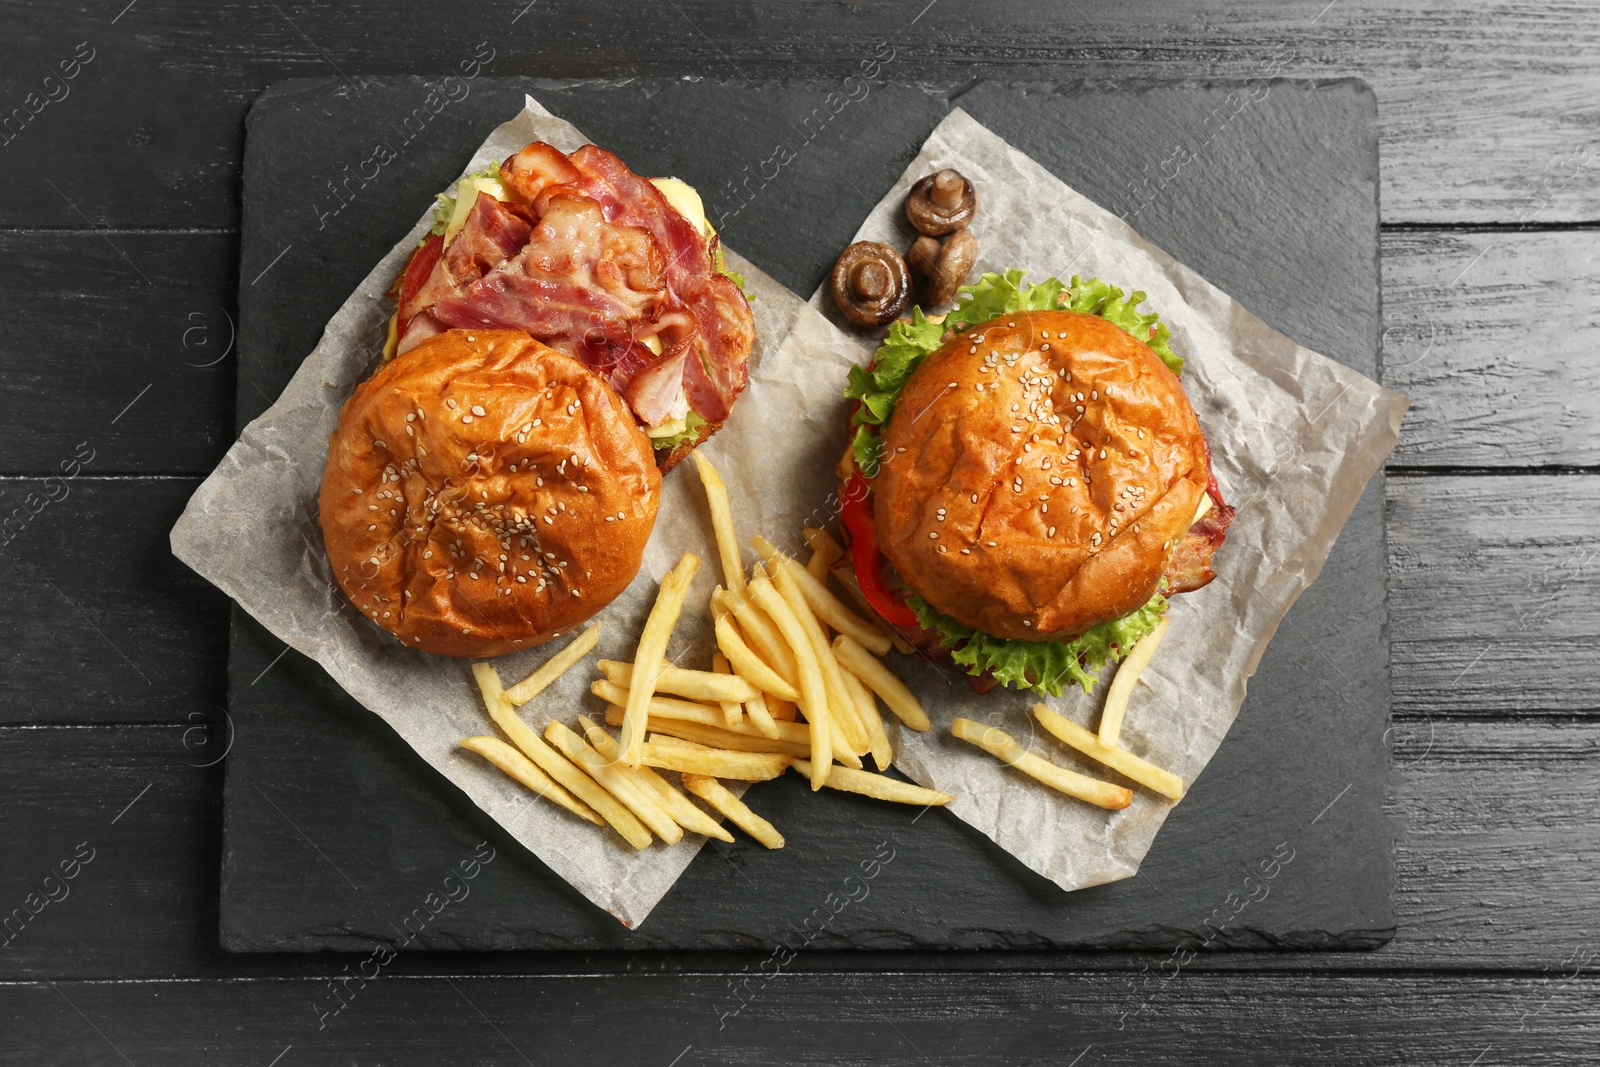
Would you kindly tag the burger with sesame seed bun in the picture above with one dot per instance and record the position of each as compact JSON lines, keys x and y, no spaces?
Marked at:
{"x":485,"y":493}
{"x":1027,"y":484}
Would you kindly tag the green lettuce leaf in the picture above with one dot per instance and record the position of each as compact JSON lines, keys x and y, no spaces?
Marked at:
{"x":446,"y":205}
{"x":692,"y":425}
{"x":909,"y":343}
{"x":733,"y":275}
{"x":1043,"y":666}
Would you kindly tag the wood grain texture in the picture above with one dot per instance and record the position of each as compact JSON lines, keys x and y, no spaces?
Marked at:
{"x":1494,"y":593}
{"x":952,"y":1019}
{"x":119,"y":340}
{"x":103,"y":623}
{"x":1493,"y":334}
{"x":1496,"y":863}
{"x":1488,"y":113}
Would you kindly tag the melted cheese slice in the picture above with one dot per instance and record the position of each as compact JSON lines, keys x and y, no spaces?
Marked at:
{"x":682,"y":196}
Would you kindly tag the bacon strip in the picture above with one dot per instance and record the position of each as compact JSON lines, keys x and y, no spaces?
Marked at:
{"x":1190,"y":566}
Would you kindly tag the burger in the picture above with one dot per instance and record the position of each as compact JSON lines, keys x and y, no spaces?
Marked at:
{"x":622,"y":273}
{"x":1027,"y":485}
{"x":566,"y":333}
{"x":485,"y":493}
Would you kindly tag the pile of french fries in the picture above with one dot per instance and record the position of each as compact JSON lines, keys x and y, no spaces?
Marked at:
{"x":795,"y":683}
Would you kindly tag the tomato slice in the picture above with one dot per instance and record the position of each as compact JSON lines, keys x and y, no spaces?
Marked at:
{"x":421,"y":265}
{"x":865,"y":555}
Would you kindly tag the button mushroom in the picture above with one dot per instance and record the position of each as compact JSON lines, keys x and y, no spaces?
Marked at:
{"x":923,"y":255}
{"x":871,"y":284}
{"x":941,"y":203}
{"x":956,"y":257}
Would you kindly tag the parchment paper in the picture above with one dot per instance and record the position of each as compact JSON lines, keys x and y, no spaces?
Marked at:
{"x":1295,"y":437}
{"x":1303,"y":436}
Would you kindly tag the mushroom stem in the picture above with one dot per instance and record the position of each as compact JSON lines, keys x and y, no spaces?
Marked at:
{"x":948,"y":186}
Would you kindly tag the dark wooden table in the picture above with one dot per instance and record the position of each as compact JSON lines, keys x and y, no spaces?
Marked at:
{"x":118,"y":254}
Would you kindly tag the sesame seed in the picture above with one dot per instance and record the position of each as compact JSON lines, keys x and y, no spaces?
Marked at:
{"x":466,"y":418}
{"x":991,"y":544}
{"x":477,"y":409}
{"x":576,"y":593}
{"x":451,"y":404}
{"x":1052,"y":531}
{"x":933,"y":534}
{"x":1102,"y":453}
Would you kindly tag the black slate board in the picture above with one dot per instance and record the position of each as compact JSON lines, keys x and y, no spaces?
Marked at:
{"x":335,"y":832}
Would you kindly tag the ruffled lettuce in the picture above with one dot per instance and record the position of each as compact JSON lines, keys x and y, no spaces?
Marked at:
{"x":994,"y":295}
{"x":1043,"y":666}
{"x":692,"y":425}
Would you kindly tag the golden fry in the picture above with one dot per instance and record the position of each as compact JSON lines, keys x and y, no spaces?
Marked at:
{"x":719,"y":763}
{"x":527,"y":773}
{"x":1003,"y":747}
{"x":825,"y":552}
{"x":844,"y":721}
{"x":732,"y":710}
{"x":879,"y":787}
{"x":867,"y":708}
{"x":827,"y":607}
{"x":614,"y":777}
{"x":861,"y":663}
{"x":678,"y":806}
{"x":671,"y":707}
{"x":555,"y":666}
{"x":1118,"y":759}
{"x":791,"y":732}
{"x":1137,"y":660}
{"x":554,"y":763}
{"x":749,"y":665}
{"x":760,"y":717}
{"x":814,"y":699}
{"x":652,"y":647}
{"x":706,"y":686}
{"x":716,"y":794}
{"x":721,"y":521}
{"x":761,"y":632}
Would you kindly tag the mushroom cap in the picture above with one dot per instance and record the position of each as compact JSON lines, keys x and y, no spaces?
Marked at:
{"x":956,"y":257}
{"x":871,"y":283}
{"x":925,"y":213}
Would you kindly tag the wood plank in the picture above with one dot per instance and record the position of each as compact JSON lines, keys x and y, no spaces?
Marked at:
{"x":981,"y":1019}
{"x":1492,"y":334}
{"x":1497,"y":864}
{"x":1488,"y":114}
{"x":1494,"y":593}
{"x":127,"y":358}
{"x":103,"y":623}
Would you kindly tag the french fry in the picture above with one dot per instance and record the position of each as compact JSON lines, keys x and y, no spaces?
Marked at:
{"x":749,"y":665}
{"x":721,"y":521}
{"x":615,"y":778}
{"x":1003,"y":747}
{"x":825,"y":552}
{"x":716,"y":794}
{"x":527,"y":773}
{"x":652,"y":647}
{"x":790,"y":732}
{"x":781,"y":710}
{"x":1120,"y":760}
{"x":732,"y":710}
{"x":715,"y":737}
{"x":867,"y":706}
{"x":761,"y":632}
{"x":760,"y":717}
{"x":678,"y":806}
{"x":847,"y":578}
{"x":670,"y":707}
{"x":879,"y":787}
{"x":844,"y":720}
{"x":827,"y":607}
{"x":555,"y":666}
{"x":878,"y":678}
{"x":706,"y":686}
{"x":719,"y":763}
{"x":1137,"y":660}
{"x":813,"y":691}
{"x":554,"y":763}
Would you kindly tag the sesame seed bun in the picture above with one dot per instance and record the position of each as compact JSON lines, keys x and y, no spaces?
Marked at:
{"x":484,"y":494}
{"x":1037,"y":473}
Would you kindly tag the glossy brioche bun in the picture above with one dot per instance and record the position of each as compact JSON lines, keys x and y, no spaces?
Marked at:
{"x":485,"y":493}
{"x":1049,"y":499}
